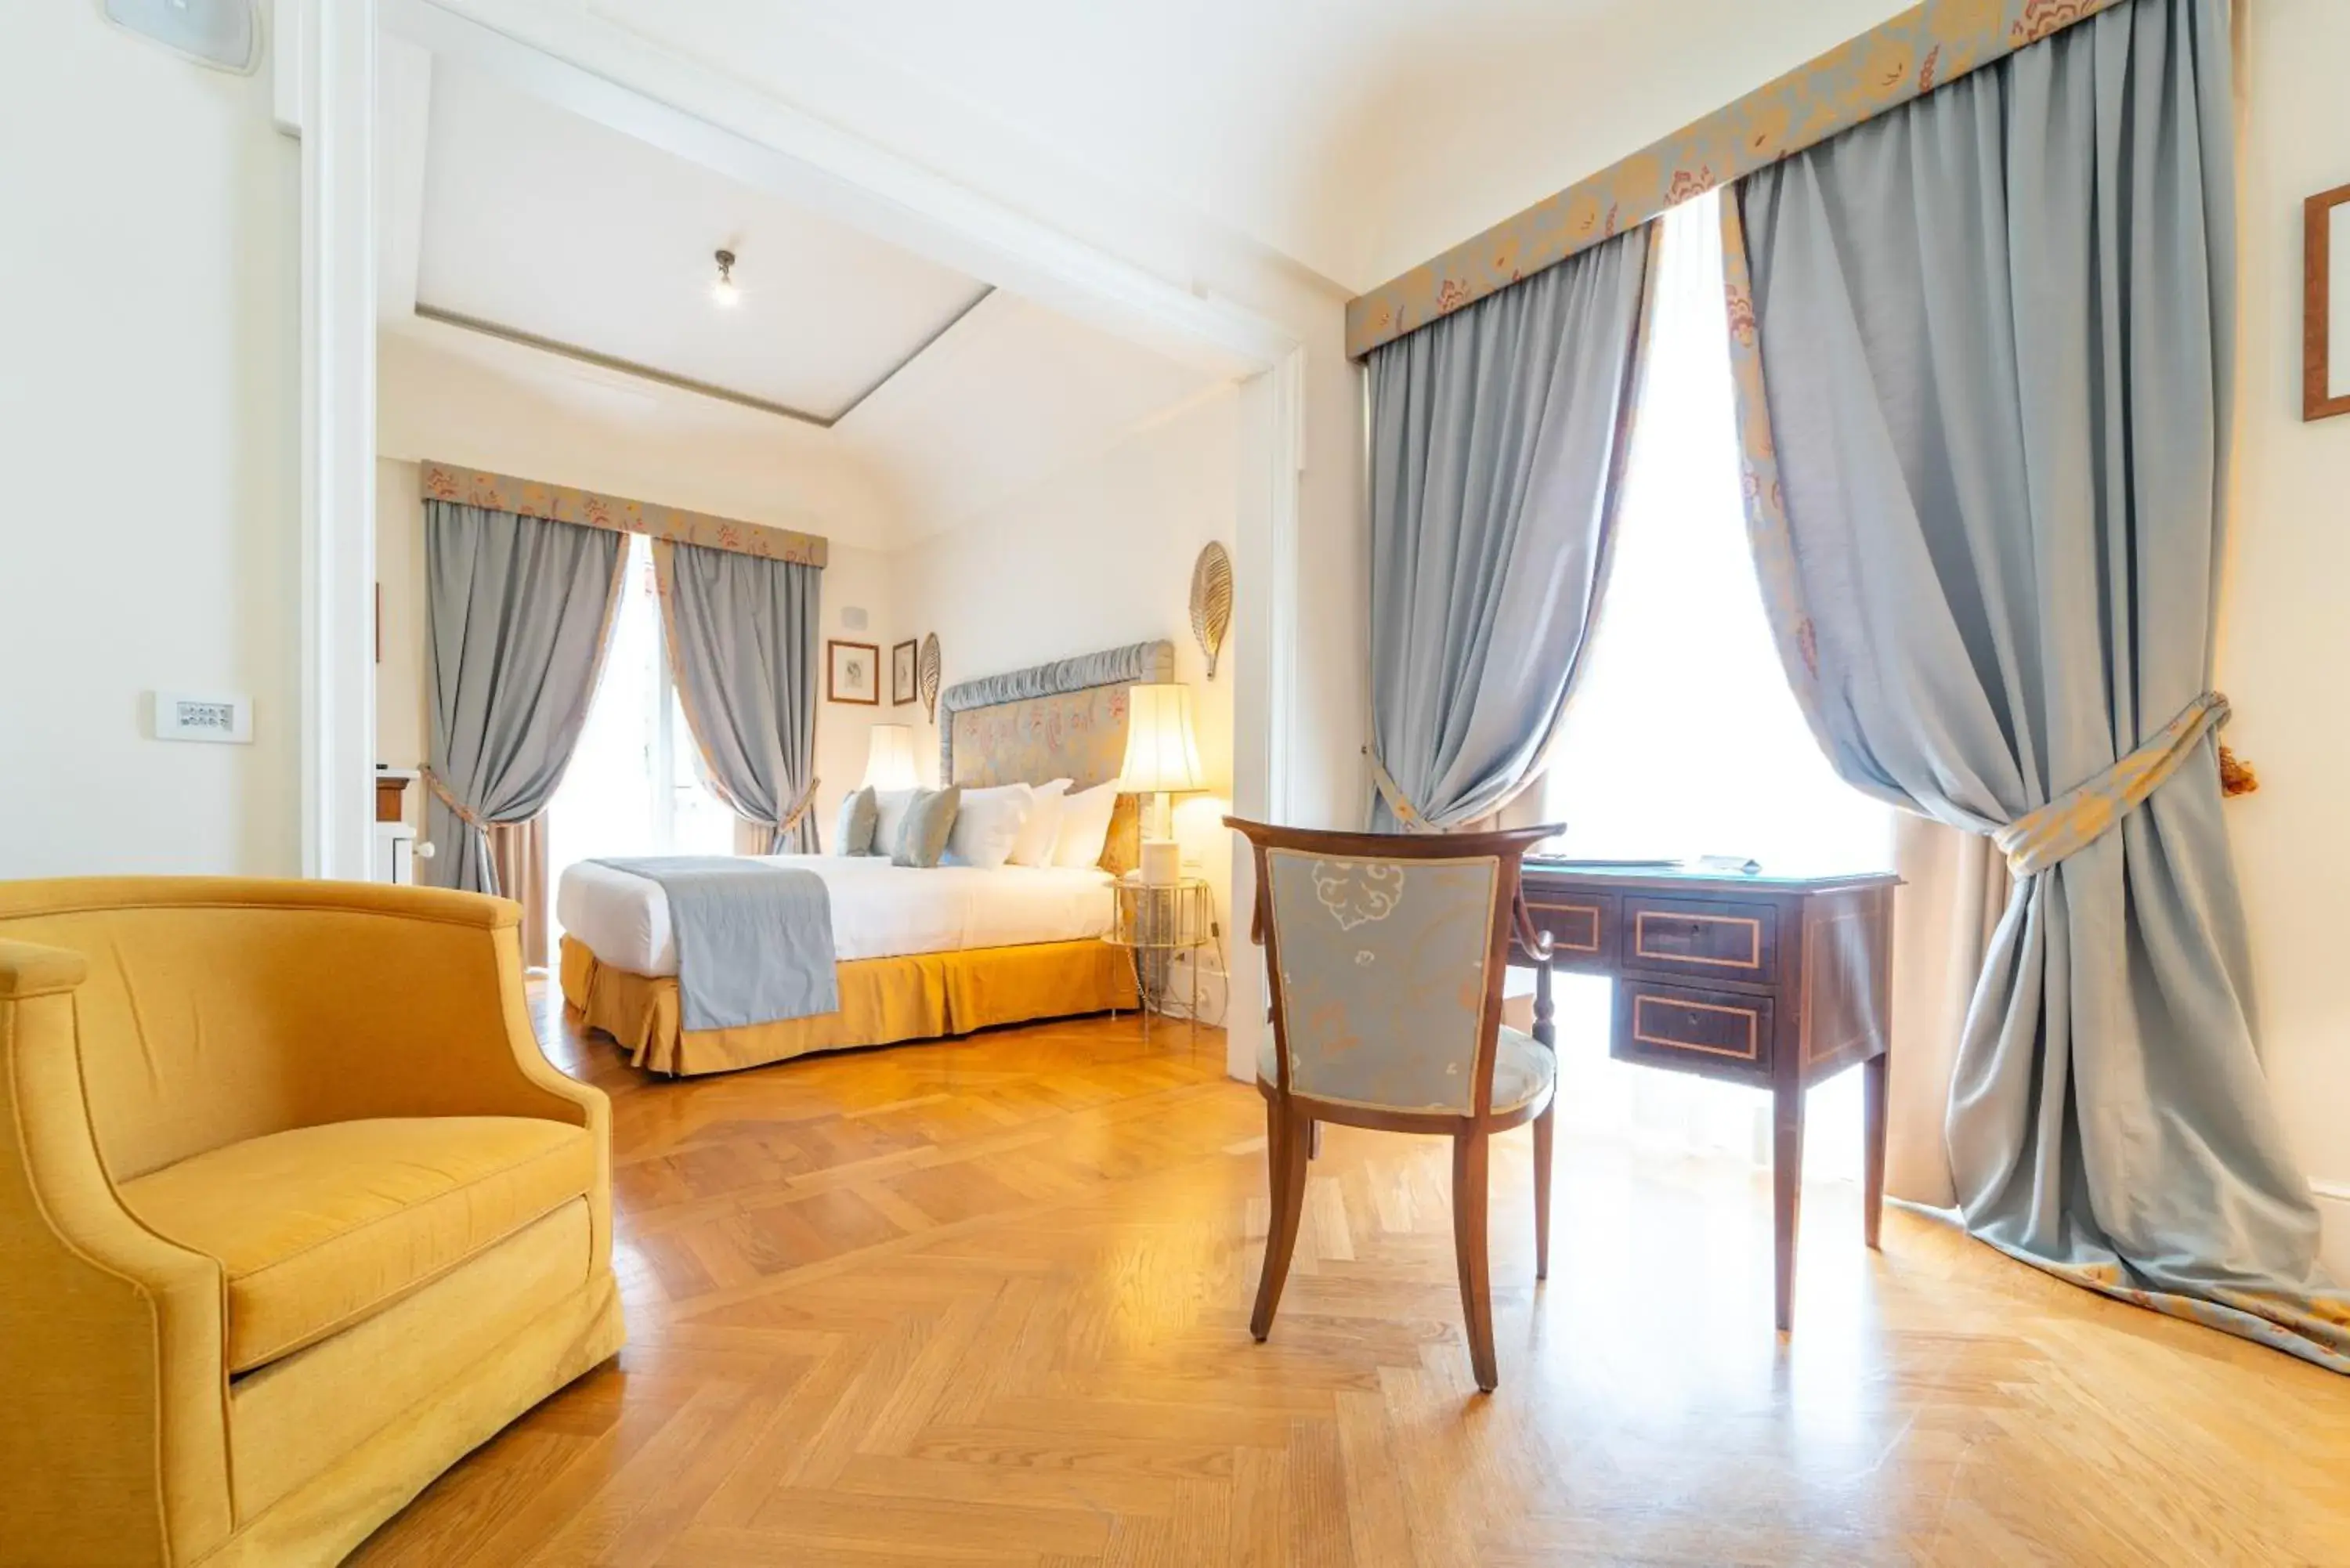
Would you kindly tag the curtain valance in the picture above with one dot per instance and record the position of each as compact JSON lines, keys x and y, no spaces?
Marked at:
{"x":1924,"y":47}
{"x":561,"y":504}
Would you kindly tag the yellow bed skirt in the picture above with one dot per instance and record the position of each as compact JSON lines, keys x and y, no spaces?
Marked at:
{"x":883,"y":1001}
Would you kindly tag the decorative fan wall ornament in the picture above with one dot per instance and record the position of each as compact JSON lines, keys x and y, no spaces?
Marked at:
{"x":929,"y":678}
{"x":1211,"y":601}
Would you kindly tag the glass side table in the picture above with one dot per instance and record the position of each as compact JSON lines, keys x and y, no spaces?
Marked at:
{"x":1155,"y":921}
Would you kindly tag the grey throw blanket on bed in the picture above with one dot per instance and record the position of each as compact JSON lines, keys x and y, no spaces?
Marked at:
{"x":753,"y":939}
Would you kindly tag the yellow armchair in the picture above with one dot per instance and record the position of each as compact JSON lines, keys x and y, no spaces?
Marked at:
{"x":293,"y":1212}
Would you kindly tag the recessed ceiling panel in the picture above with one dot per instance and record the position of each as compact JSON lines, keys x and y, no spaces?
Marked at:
{"x":553,"y":227}
{"x":1014,"y":393}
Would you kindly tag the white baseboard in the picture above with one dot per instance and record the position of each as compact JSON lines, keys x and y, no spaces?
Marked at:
{"x":2334,"y":1211}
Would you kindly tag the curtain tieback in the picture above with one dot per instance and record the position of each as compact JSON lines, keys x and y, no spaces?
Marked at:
{"x":1405,"y":812}
{"x":2078,"y":818}
{"x":471,"y":819}
{"x":798,"y":808}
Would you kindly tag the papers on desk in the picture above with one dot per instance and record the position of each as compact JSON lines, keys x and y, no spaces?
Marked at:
{"x":1738,"y":864}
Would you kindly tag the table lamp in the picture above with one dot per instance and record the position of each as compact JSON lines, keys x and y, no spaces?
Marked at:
{"x":890,"y":766}
{"x":1161,"y":758}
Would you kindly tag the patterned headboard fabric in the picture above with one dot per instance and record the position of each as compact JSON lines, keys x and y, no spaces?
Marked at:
{"x":1063,"y":720}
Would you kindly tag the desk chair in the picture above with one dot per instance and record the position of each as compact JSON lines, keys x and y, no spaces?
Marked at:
{"x":1386,"y":955}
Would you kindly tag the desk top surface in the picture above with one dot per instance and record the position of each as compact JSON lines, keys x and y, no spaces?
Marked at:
{"x":1657,"y":874}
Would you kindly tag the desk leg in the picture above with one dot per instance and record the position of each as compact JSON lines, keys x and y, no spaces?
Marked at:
{"x":1786,"y":1192}
{"x":1873,"y":1083}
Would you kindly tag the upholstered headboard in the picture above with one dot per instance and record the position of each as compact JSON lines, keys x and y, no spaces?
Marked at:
{"x":1063,"y":720}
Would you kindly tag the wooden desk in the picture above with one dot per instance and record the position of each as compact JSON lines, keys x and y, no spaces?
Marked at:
{"x":1777,"y":982}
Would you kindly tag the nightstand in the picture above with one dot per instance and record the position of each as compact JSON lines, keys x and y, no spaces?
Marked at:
{"x":1155,"y":921}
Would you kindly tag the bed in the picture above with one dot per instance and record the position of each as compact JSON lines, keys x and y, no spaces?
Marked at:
{"x":921,"y":953}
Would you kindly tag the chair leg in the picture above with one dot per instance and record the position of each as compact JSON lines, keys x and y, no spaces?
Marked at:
{"x":1541,"y":1190}
{"x":1470,"y":1254}
{"x":1285,"y":1153}
{"x":1873,"y":1085}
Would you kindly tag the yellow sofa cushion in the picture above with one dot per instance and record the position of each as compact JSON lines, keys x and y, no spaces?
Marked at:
{"x":320,"y":1227}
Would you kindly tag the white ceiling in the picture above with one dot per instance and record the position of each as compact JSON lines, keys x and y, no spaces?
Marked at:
{"x":551,"y":225}
{"x":1355,"y":136}
{"x":1349,"y":138}
{"x":501,"y":208}
{"x":1014,"y":393}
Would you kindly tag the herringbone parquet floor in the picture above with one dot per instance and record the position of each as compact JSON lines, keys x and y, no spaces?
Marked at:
{"x":985,"y":1302}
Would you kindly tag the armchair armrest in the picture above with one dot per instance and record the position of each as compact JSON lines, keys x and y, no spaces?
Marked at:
{"x":27,"y":970}
{"x":110,"y":1336}
{"x":432,"y":1015}
{"x":1539,"y":946}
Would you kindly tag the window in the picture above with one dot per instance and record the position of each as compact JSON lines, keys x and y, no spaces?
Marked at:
{"x":635,"y":784}
{"x":1683,"y":738}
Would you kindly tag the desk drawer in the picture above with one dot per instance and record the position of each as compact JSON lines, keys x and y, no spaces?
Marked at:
{"x":1697,"y":937}
{"x":1582,"y":925}
{"x":1722,"y":1034}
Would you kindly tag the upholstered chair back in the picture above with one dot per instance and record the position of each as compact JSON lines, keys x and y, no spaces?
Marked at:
{"x":1387,"y":998}
{"x":222,"y":1009}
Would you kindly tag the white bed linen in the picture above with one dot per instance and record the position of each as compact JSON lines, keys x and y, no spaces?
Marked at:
{"x":878,"y":910}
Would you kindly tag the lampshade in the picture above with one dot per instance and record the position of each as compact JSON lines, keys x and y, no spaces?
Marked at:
{"x":1162,"y":753}
{"x":890,"y":763}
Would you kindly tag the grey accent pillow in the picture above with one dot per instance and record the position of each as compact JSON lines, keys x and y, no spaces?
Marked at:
{"x":929,"y":820}
{"x":860,"y":813}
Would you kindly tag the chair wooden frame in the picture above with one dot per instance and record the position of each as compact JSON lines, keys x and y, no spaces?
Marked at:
{"x":1293,"y":1120}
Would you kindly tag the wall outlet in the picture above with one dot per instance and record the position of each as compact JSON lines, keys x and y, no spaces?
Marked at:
{"x":207,"y":716}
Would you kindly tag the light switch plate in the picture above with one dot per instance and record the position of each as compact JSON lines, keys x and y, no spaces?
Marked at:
{"x":203,"y":716}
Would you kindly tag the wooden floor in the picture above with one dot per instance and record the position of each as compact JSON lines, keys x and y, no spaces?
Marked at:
{"x":985,"y":1302}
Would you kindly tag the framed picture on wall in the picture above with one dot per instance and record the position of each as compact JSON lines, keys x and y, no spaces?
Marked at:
{"x":853,"y":673}
{"x":2325,"y":308}
{"x":902,"y":673}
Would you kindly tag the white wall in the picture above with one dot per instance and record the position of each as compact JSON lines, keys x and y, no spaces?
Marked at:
{"x":1488,"y":119}
{"x":1097,"y":556}
{"x":2285,"y":641}
{"x":444,"y":394}
{"x":859,"y":579}
{"x":149,"y":280}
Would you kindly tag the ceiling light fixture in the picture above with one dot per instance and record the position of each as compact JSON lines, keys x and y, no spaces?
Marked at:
{"x":724,"y":291}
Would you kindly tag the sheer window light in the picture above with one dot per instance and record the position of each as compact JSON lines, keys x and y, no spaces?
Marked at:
{"x":1683,"y":738}
{"x":635,"y":784}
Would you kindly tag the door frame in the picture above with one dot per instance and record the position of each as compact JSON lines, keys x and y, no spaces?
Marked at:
{"x":587,"y":66}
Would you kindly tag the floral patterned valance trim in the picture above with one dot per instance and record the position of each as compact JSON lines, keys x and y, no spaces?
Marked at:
{"x":558,"y":503}
{"x":1883,"y":69}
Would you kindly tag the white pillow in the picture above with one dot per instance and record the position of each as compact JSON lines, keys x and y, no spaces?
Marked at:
{"x":1034,"y":845}
{"x":987,"y":825}
{"x":889,"y":807}
{"x":1084,"y":826}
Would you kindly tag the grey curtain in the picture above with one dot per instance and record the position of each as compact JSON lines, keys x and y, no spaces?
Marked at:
{"x":743,"y":640}
{"x":1499,"y":436}
{"x":1986,"y":387}
{"x":517,"y":612}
